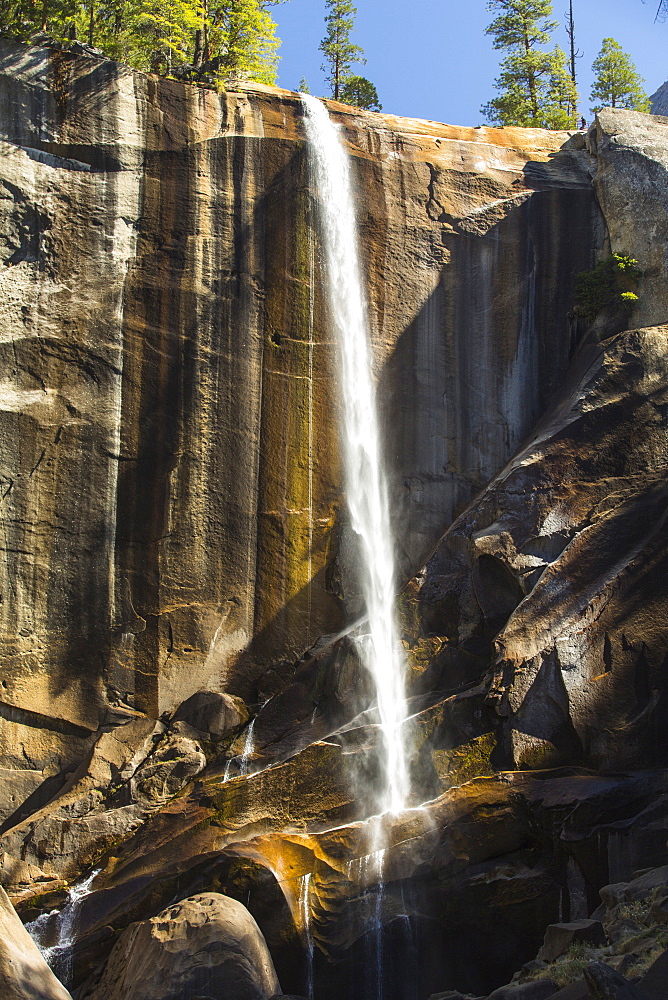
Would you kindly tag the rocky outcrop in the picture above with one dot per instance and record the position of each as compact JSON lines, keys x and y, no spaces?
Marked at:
{"x":631,"y":171}
{"x":24,"y":975}
{"x":659,"y":100}
{"x":566,"y":589}
{"x":481,"y":869}
{"x":206,"y":945}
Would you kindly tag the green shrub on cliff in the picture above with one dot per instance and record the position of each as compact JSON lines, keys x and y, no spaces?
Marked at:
{"x":173,"y":37}
{"x":611,"y":284}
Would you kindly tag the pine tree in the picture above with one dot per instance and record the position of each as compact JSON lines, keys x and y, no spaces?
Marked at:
{"x":536,"y":89}
{"x":340,"y":53}
{"x":617,"y":84}
{"x":361,"y":93}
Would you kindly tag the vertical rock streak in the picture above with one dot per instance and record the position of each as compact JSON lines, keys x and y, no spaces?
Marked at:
{"x":365,"y":483}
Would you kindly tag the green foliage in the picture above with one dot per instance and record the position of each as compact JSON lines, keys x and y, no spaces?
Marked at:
{"x":242,"y":36}
{"x":303,"y":87}
{"x":610,"y":284}
{"x":339,"y":52}
{"x":617,"y":84}
{"x":233,"y":36}
{"x":536,"y":88}
{"x":361,"y":93}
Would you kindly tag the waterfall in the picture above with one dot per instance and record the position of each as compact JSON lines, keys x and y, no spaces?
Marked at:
{"x":305,"y":913}
{"x":365,"y":483}
{"x":61,"y":927}
{"x":247,"y":752}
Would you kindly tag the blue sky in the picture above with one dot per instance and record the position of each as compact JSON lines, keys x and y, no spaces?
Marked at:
{"x":432,"y":59}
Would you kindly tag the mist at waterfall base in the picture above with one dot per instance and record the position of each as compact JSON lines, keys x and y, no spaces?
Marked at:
{"x":365,"y":485}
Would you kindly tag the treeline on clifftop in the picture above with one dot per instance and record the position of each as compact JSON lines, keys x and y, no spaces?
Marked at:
{"x":193,"y":38}
{"x":537,"y":88}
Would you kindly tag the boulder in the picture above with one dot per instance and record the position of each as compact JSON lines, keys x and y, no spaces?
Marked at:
{"x":206,"y":945}
{"x":24,"y":975}
{"x":212,"y":712}
{"x":559,"y":937}
{"x":631,"y":178}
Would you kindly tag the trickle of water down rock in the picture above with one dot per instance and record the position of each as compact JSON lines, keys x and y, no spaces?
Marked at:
{"x":364,"y":478}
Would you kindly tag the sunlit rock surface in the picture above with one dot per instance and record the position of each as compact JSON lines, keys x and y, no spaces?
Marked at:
{"x":631,"y":151}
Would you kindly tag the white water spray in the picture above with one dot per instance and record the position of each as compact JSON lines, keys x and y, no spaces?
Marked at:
{"x":365,"y":484}
{"x":59,"y":955}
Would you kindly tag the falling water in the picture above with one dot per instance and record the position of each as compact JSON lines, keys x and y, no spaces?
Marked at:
{"x":247,"y":751}
{"x":242,"y":760}
{"x":365,"y":484}
{"x":59,"y":955}
{"x":305,"y":914}
{"x":366,"y":873}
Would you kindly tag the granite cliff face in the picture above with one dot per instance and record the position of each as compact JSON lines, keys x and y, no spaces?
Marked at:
{"x":180,"y":707}
{"x":171,"y":491}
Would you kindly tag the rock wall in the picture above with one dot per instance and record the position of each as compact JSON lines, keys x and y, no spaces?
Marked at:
{"x":170,"y":484}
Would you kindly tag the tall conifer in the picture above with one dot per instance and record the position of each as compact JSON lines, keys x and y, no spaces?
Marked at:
{"x":617,"y":84}
{"x":536,"y":88}
{"x":340,"y":53}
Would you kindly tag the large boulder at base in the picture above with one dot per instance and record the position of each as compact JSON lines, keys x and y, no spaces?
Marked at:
{"x":24,"y":975}
{"x":559,"y":937}
{"x":207,"y":945}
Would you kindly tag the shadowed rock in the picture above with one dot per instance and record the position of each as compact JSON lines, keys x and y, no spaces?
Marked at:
{"x":206,"y":945}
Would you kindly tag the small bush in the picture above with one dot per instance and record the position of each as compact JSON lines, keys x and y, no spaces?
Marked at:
{"x":611,"y":283}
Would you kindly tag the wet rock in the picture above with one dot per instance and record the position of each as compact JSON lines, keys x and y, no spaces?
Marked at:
{"x":207,"y":945}
{"x":559,"y":937}
{"x":24,"y":975}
